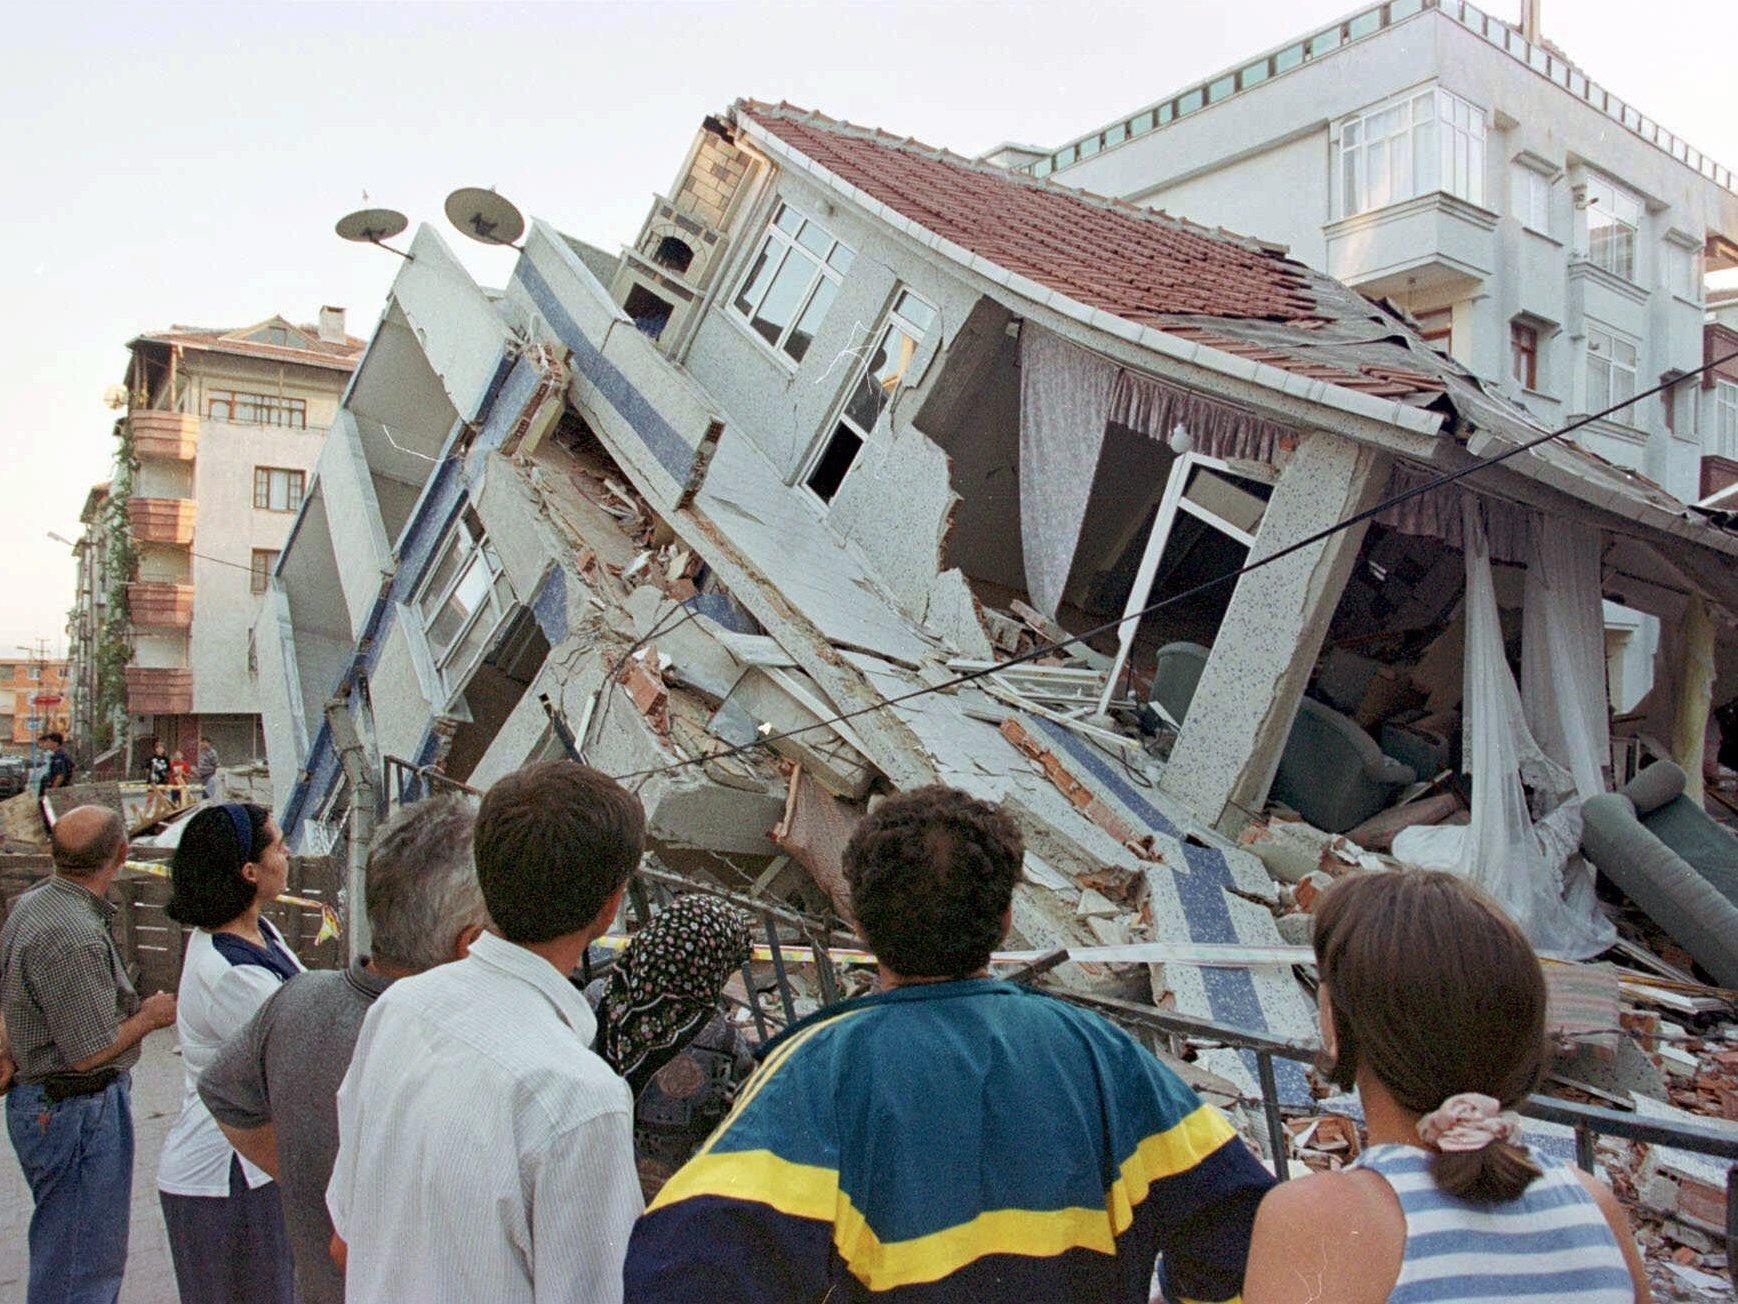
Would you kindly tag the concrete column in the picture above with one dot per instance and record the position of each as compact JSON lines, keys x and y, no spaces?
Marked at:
{"x":1273,"y":631}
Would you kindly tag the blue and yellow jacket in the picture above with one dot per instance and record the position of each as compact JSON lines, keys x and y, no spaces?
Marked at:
{"x":969,"y":1140}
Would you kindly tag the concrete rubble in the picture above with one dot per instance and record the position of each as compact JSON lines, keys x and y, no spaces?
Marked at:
{"x":767,"y":560}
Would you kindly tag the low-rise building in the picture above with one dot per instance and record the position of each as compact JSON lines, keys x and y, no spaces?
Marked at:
{"x":220,"y":434}
{"x":33,"y":701}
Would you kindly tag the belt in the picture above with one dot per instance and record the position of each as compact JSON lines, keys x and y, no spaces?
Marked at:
{"x":65,"y":1086}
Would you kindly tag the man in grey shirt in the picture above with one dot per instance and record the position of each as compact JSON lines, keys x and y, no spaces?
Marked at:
{"x":273,"y":1087}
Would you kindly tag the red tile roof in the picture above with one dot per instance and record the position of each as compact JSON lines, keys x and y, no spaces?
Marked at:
{"x":341,"y":354}
{"x":1108,"y":254}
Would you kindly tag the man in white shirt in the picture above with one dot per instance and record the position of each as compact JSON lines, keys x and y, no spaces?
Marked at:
{"x":485,"y":1152}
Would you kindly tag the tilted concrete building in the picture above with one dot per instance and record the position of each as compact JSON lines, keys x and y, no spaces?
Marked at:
{"x":852,"y":417}
{"x":224,"y":427}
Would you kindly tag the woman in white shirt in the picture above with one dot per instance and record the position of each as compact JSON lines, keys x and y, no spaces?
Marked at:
{"x":223,"y":1215}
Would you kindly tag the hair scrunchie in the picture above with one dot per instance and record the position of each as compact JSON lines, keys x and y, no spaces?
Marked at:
{"x":1467,"y":1122}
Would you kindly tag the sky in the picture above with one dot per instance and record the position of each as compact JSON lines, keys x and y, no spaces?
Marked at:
{"x":182,"y":163}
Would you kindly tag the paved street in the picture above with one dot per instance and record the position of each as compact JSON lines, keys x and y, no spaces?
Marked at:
{"x":150,"y":1280}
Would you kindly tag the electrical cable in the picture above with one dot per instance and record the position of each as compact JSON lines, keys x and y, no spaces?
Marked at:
{"x":1299,"y":545}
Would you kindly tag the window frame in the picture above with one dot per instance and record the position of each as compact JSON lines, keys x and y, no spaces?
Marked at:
{"x":823,"y":269}
{"x":260,"y":577}
{"x":1724,"y":435}
{"x":896,"y":318}
{"x":1683,"y":275}
{"x":1610,"y":199}
{"x":1430,"y":129}
{"x":266,"y":409}
{"x":1613,"y":367}
{"x":1533,"y":210}
{"x":435,"y":590}
{"x":295,"y":488}
{"x":1524,"y":356}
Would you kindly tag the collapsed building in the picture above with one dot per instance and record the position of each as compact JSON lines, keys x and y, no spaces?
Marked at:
{"x":854,"y":424}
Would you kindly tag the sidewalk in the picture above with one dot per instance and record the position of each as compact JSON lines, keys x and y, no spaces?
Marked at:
{"x":157,"y":1086}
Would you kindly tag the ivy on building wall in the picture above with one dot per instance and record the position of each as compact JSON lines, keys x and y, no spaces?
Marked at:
{"x":114,"y":637}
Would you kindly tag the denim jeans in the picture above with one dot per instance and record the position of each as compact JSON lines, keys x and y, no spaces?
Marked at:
{"x":78,"y":1158}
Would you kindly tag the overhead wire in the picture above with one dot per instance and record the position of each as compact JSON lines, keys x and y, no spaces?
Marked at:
{"x":1309,"y":541}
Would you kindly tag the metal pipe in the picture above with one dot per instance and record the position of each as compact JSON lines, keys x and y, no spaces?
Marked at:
{"x":778,"y":967}
{"x":1276,"y":1134}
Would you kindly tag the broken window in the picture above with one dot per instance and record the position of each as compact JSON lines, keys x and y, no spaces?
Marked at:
{"x":870,"y":393}
{"x":650,"y":313}
{"x":792,"y":282}
{"x":463,"y":601}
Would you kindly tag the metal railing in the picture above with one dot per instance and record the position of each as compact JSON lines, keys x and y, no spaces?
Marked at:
{"x":1589,"y":1121}
{"x":406,"y":781}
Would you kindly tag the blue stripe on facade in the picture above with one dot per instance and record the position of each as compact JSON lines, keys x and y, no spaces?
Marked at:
{"x":672,"y":451}
{"x":1231,"y":995}
{"x":550,"y":606}
{"x":1558,"y":1286}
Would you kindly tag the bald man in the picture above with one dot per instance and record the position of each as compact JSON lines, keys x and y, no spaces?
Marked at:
{"x":75,"y":1025}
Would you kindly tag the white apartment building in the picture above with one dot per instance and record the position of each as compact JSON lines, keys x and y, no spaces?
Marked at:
{"x":1550,"y":235}
{"x":225,"y":427}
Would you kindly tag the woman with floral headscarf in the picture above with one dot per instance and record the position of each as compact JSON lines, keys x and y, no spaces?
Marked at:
{"x":662,"y":1027}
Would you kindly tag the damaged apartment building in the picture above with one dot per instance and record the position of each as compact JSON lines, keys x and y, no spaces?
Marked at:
{"x":853,"y":418}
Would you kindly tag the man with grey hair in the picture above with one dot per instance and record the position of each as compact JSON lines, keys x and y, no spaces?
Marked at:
{"x":273,"y":1087}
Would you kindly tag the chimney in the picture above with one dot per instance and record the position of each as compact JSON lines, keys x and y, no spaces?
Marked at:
{"x":1530,"y":19}
{"x":332,"y":324}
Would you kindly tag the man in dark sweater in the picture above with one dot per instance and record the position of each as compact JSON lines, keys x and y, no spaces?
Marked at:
{"x":273,"y":1088}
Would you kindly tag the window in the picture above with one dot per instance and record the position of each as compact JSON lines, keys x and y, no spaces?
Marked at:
{"x":1684,"y":270}
{"x":1530,"y":197}
{"x":791,"y":285}
{"x":1613,"y":217}
{"x":1524,"y":354}
{"x":277,"y":490}
{"x":871,"y":392}
{"x":260,"y":570}
{"x":256,"y":409}
{"x":1437,"y":328}
{"x":1611,"y":362}
{"x":1425,"y":142}
{"x":650,"y":313}
{"x":1726,"y":418}
{"x":463,"y":601}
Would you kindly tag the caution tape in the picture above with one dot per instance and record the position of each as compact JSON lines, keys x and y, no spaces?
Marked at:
{"x":330,"y":925}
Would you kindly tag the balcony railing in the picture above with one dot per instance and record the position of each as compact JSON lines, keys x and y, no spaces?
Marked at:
{"x":161,"y":520}
{"x":153,"y":604}
{"x":173,"y":436}
{"x":1358,"y":27}
{"x":159,"y":690}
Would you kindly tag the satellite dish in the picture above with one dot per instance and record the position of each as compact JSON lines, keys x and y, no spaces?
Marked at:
{"x":374,"y":226}
{"x":371,"y":225}
{"x":485,"y":216}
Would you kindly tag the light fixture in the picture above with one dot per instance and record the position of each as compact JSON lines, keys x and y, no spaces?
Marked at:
{"x":1181,"y":441}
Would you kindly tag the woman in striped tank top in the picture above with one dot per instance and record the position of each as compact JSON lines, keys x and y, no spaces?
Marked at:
{"x":1433,"y":1007}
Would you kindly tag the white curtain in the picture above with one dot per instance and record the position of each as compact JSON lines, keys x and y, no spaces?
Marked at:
{"x":1065,"y":397}
{"x":1563,"y":685}
{"x":1519,"y":862}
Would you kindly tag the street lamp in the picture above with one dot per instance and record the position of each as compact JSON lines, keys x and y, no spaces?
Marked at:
{"x":61,"y":538}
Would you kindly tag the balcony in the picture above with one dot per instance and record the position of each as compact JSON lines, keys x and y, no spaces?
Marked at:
{"x":170,"y":436}
{"x":159,"y":690}
{"x":158,"y":605}
{"x":1434,"y":242}
{"x":161,"y":520}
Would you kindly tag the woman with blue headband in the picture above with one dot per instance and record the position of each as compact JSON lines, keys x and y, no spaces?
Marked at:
{"x":223,"y":1215}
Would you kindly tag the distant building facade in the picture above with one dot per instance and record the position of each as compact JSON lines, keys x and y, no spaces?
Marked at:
{"x":224,"y":428}
{"x":85,"y":624}
{"x":1718,"y":413}
{"x":33,"y":701}
{"x":1548,"y":234}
